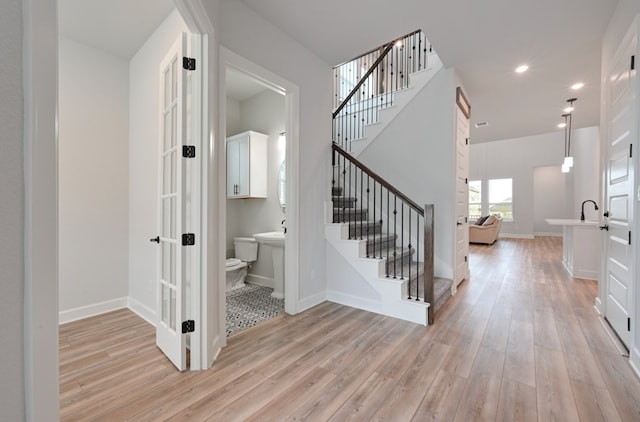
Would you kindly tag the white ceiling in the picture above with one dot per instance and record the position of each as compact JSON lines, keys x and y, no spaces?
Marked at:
{"x":483,"y":40}
{"x":241,"y":86}
{"x":119,"y":27}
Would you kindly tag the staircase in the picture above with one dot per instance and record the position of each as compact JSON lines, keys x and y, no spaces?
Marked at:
{"x":385,"y":236}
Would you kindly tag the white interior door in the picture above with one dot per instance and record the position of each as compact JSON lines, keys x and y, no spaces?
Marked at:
{"x":171,"y":297}
{"x":462,"y":198}
{"x":620,"y":137}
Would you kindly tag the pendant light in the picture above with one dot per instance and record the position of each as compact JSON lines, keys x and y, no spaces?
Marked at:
{"x":568,"y":159}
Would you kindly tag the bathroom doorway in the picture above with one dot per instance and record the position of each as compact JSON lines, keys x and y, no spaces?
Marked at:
{"x":256,"y":120}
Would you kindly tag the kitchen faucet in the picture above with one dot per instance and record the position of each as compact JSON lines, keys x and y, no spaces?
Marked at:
{"x":595,"y":206}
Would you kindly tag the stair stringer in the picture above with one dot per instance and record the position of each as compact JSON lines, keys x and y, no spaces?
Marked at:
{"x":392,"y":291}
{"x":401,"y":98}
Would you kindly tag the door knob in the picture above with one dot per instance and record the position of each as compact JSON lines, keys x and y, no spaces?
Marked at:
{"x":458,"y":223}
{"x":155,"y":239}
{"x":605,"y":227}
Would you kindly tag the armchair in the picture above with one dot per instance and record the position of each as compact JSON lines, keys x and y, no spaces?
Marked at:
{"x":488,"y":232}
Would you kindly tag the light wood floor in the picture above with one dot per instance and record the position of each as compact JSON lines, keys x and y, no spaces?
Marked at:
{"x":519,"y":341}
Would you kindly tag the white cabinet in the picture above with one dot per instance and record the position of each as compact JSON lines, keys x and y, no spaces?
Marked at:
{"x":247,"y":165}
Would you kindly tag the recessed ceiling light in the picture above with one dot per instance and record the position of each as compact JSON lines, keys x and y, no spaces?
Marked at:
{"x":577,"y":85}
{"x":521,"y":69}
{"x":561,"y":125}
{"x":481,"y":124}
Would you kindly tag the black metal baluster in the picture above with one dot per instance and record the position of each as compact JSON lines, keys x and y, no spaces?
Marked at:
{"x":361,"y":201}
{"x":418,"y":260}
{"x":368,"y":205}
{"x":402,"y":239}
{"x":410,"y":233}
{"x":381,"y":221}
{"x":374,"y":218}
{"x":386,"y":270}
{"x":395,"y":233}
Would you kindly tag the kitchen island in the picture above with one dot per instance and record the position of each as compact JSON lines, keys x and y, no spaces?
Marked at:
{"x":581,"y":245}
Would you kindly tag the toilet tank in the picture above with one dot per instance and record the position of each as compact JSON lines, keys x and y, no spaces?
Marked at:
{"x":246,"y":248}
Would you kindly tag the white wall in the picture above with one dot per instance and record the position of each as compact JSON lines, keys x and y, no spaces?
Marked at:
{"x":264,"y":113}
{"x":415,"y":153}
{"x":252,"y":37}
{"x":549,"y":199}
{"x":93,"y":178}
{"x":12,"y":370}
{"x":144,"y":156}
{"x":517,"y":158}
{"x":232,"y":111}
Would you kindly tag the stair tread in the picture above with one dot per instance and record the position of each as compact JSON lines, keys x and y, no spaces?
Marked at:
{"x":388,"y":255}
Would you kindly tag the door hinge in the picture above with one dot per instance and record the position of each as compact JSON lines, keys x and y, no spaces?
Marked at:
{"x":466,"y":219}
{"x":629,"y":236}
{"x":466,"y":180}
{"x":628,"y":324}
{"x":633,"y":62}
{"x":188,"y":239}
{"x":465,"y":258}
{"x":630,"y":150}
{"x":188,"y":63}
{"x":188,"y":151}
{"x":466,"y":141}
{"x":188,"y":326}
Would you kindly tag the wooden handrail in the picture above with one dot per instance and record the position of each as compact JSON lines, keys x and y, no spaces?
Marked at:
{"x":377,"y":48}
{"x":378,"y":179}
{"x":363,"y":79}
{"x":372,"y":68}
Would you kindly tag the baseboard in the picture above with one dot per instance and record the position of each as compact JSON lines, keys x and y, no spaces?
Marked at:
{"x":354,"y":301}
{"x":142,"y":311}
{"x":546,"y":234}
{"x":515,"y":236}
{"x":634,"y":361}
{"x":586,"y":274}
{"x":311,"y":301}
{"x":260,"y":280}
{"x":598,"y":307}
{"x":91,"y":310}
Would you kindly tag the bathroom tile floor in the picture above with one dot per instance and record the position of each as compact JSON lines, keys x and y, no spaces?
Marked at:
{"x":249,"y":306}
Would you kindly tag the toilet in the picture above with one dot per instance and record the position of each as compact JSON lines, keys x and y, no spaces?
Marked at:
{"x":246,"y":251}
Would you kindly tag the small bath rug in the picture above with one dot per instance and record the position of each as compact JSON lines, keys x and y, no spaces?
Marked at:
{"x":250,"y":305}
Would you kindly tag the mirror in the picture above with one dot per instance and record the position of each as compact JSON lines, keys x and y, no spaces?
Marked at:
{"x":282,"y":187}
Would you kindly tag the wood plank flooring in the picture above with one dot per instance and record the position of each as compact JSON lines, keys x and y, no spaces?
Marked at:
{"x":520,"y":341}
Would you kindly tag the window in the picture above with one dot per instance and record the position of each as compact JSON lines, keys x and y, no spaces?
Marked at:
{"x":493,"y":196}
{"x":475,"y":199}
{"x":501,"y":198}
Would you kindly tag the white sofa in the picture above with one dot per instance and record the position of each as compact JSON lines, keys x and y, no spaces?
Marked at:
{"x":486,"y":233}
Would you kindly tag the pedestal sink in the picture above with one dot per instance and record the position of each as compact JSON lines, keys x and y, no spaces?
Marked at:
{"x":276,"y":242}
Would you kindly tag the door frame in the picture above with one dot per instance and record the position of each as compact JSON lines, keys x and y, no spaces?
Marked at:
{"x":601,"y":300}
{"x":206,"y":341}
{"x":292,"y":113}
{"x":40,"y":90}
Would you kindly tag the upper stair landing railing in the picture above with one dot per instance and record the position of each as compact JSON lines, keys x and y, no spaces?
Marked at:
{"x":366,"y":84}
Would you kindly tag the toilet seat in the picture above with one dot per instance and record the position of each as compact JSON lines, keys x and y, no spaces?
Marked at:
{"x":230,"y":262}
{"x":233,"y":264}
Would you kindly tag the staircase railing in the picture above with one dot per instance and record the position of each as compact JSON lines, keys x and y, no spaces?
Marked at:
{"x":359,"y":192}
{"x":366,"y":84}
